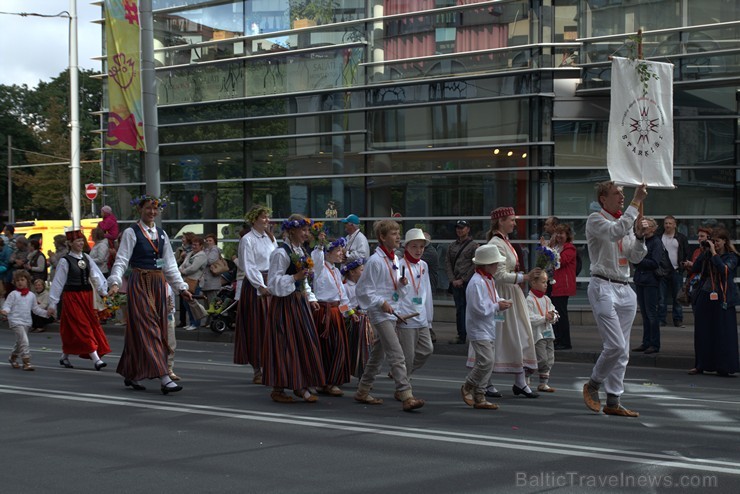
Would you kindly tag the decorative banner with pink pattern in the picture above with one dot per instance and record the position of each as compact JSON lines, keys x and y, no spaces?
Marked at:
{"x":125,"y":110}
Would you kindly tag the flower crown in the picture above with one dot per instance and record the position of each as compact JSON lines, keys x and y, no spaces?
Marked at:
{"x":352,"y":265}
{"x":159,"y":202}
{"x":255,"y":212}
{"x":290,"y":224}
{"x":340,"y":242}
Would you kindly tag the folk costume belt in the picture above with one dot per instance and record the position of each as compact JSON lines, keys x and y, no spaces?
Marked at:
{"x":618,"y":282}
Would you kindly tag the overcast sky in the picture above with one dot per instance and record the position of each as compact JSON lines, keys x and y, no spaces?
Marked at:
{"x":35,"y":48}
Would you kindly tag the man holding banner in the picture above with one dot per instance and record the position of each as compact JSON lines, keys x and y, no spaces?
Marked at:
{"x":612,"y":245}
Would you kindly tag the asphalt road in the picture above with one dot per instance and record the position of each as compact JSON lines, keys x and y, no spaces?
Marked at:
{"x":78,"y":430}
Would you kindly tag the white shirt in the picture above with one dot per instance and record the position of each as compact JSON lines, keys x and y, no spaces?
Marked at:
{"x":281,"y":284}
{"x":538,"y":309}
{"x":126,"y":248}
{"x":97,"y":280}
{"x":254,"y":256}
{"x":482,"y":305}
{"x":671,"y":245}
{"x":19,"y":308}
{"x":357,"y":246}
{"x":377,"y":285}
{"x":418,"y":296}
{"x":327,"y":281}
{"x":609,"y":240}
{"x":351,"y":288}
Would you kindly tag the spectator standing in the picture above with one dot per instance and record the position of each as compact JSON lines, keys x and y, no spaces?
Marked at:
{"x":100,"y":251}
{"x":60,"y":250}
{"x":180,"y":254}
{"x":677,"y":246}
{"x":211,"y":283}
{"x":109,"y":225}
{"x":702,"y":234}
{"x":647,"y":285}
{"x":565,"y":283}
{"x":612,"y":245}
{"x":36,"y":262}
{"x":431,"y":257}
{"x":39,"y":322}
{"x":357,"y":245}
{"x":5,"y":271}
{"x":192,"y":269}
{"x":460,"y":268}
{"x":549,"y":227}
{"x":715,"y":319}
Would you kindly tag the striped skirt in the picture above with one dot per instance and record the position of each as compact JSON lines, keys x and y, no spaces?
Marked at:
{"x":360,"y":336}
{"x":291,"y":357}
{"x":79,"y":327}
{"x":251,"y":324}
{"x":334,"y":344}
{"x":145,"y":349}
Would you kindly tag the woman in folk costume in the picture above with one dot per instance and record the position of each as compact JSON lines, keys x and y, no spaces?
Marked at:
{"x":79,"y":327}
{"x":333,"y":308}
{"x":252,"y":321}
{"x":359,"y":331}
{"x":292,"y":358}
{"x":146,"y":248}
{"x":515,"y":350}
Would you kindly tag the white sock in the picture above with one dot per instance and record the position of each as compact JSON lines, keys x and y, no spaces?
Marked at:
{"x":94,"y":357}
{"x":167,"y":382}
{"x":491,"y":388}
{"x":65,"y":356}
{"x":520,"y":382}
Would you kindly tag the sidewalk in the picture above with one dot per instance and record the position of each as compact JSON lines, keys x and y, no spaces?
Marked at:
{"x":677,"y":344}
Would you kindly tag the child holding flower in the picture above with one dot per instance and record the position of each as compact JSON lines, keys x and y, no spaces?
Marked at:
{"x":291,"y":348}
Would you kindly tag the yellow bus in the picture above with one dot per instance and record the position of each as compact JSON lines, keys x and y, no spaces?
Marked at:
{"x":45,"y":230}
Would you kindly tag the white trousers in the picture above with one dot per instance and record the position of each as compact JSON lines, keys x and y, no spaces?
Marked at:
{"x":614,"y":307}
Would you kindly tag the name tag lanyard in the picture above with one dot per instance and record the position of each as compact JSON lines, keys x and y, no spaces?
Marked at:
{"x":146,"y":235}
{"x":393,"y":278}
{"x":723,"y":287}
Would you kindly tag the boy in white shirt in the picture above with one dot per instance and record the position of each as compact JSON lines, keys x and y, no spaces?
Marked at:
{"x":482,"y":315}
{"x":379,"y":289}
{"x":18,"y":307}
{"x":414,"y":334}
{"x":542,"y":315}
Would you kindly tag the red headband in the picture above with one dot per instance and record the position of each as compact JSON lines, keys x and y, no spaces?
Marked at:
{"x":502,"y":213}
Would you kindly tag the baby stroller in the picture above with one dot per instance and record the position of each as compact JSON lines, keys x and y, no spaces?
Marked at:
{"x":223,"y":316}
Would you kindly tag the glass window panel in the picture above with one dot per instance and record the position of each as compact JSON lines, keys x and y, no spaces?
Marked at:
{"x":454,"y":159}
{"x":705,"y":143}
{"x":580,"y":143}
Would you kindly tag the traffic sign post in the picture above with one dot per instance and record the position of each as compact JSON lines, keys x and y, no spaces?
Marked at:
{"x":91,"y":191}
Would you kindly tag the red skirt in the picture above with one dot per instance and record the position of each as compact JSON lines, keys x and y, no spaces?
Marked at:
{"x":80,"y":328}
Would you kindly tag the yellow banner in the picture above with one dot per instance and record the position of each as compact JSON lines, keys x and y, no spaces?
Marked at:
{"x":126,"y":112}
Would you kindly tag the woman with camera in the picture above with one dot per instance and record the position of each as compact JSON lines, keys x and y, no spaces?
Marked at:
{"x":715,"y":320}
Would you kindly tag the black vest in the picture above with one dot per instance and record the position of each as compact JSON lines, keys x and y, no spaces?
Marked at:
{"x":78,"y":278}
{"x":144,"y":256}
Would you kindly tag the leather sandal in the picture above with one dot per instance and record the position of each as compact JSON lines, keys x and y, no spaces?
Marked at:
{"x":412,"y":404}
{"x":306,"y":395}
{"x":467,"y":395}
{"x":257,"y":379}
{"x":281,"y":397}
{"x":367,"y":399}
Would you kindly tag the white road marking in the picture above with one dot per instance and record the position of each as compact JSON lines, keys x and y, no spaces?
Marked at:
{"x":536,"y":446}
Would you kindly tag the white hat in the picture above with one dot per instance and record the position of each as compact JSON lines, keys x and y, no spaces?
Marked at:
{"x":487,"y":254}
{"x":416,"y":234}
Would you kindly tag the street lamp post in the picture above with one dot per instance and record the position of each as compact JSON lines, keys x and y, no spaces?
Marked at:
{"x":74,"y":114}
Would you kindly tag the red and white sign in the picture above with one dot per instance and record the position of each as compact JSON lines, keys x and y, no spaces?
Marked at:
{"x":91,"y":191}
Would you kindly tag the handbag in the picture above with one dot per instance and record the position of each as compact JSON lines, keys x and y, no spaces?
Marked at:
{"x":192,"y":284}
{"x":218,"y":267}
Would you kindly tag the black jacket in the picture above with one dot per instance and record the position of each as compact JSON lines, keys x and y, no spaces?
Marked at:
{"x":684,"y":252}
{"x":645,"y":271}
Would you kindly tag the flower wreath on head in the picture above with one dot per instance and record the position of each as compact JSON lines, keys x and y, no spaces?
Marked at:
{"x":340,"y":242}
{"x":159,"y":202}
{"x":352,"y":265}
{"x":255,"y":213}
{"x":290,"y":224}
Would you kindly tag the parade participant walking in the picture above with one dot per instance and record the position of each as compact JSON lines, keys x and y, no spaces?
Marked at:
{"x":612,"y":245}
{"x":542,"y":316}
{"x":292,"y":358}
{"x":333,"y":308}
{"x":146,"y":249}
{"x":379,"y":289}
{"x":18,"y":307}
{"x":483,"y":315}
{"x":360,"y":332}
{"x":255,"y":248}
{"x":79,"y":327}
{"x":414,"y":333}
{"x":515,"y":351}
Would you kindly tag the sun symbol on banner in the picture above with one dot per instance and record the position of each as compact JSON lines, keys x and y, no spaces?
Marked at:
{"x":644,"y":126}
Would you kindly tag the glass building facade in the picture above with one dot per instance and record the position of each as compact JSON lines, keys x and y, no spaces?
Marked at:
{"x":426,"y":110}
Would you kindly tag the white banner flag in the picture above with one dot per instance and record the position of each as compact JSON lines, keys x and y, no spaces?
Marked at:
{"x":640,"y":145}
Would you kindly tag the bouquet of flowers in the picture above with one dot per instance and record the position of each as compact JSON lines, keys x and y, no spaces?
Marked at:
{"x":317,"y":228}
{"x":547,"y":258}
{"x":112,"y":304}
{"x":301,"y":263}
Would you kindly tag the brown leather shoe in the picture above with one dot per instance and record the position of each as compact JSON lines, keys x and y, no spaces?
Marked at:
{"x":281,"y":397}
{"x":257,"y":378}
{"x":367,"y":399}
{"x":174,"y":376}
{"x":412,"y":404}
{"x":545,"y":388}
{"x":620,"y":411}
{"x":591,"y":398}
{"x":485,"y":405}
{"x":467,"y":395}
{"x":306,"y":395}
